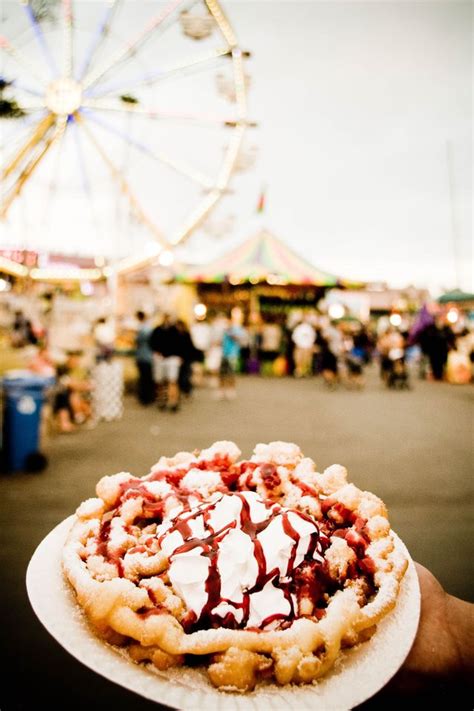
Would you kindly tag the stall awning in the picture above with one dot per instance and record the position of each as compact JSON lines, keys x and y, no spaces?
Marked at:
{"x":261,"y":259}
{"x":456,"y":296}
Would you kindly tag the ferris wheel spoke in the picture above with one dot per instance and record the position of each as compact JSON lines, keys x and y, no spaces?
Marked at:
{"x":132,"y":47}
{"x":85,"y":179}
{"x":125,"y":188}
{"x":28,"y":106}
{"x":100,"y":36}
{"x":17,"y":134}
{"x":157,"y":114}
{"x":40,"y":38}
{"x":197,"y":216}
{"x":15,"y":54}
{"x":53,"y":183}
{"x":26,"y":89}
{"x":35,"y":137}
{"x":230,"y":158}
{"x":30,"y":167}
{"x":179,"y":166}
{"x":191,"y":64}
{"x":239,"y":81}
{"x":222,"y":22}
{"x":68,"y":33}
{"x":81,"y":159}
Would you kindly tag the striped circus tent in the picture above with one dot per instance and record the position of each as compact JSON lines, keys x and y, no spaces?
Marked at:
{"x":261,"y":259}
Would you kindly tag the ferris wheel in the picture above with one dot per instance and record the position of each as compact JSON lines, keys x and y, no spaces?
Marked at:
{"x":122,"y":123}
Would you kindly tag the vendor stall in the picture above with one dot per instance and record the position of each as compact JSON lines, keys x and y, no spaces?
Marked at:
{"x":462,"y":299}
{"x":457,"y":308}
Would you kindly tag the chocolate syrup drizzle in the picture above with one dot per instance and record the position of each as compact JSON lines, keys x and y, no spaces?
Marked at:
{"x":210,"y":549}
{"x":310,"y":578}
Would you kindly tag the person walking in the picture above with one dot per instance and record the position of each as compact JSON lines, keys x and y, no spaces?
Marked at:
{"x":328,"y":364}
{"x":233,"y":338}
{"x":200,"y":333}
{"x":434,"y":342}
{"x":304,"y":338}
{"x":144,"y":361}
{"x":189,"y":355}
{"x":167,"y":345}
{"x":103,"y":334}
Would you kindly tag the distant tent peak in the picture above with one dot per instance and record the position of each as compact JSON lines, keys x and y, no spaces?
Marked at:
{"x":263,"y":258}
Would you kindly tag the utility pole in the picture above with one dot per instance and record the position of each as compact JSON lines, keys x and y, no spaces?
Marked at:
{"x":452,"y":208}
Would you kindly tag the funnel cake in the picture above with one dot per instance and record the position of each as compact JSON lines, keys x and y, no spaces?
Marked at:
{"x":261,"y":568}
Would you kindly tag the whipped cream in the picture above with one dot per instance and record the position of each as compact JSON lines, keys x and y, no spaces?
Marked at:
{"x":203,"y":481}
{"x":157,"y":488}
{"x":231,"y":559}
{"x":277,"y":452}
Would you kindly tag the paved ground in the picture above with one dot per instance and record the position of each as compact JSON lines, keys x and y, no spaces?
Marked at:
{"x":412,"y":448}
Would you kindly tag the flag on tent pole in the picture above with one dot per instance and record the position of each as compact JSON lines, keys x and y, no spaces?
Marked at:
{"x":261,"y":200}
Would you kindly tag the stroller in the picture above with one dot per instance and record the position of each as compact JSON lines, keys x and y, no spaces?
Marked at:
{"x":355,"y":368}
{"x":397,"y":373}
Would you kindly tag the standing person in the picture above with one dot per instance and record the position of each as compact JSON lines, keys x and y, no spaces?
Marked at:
{"x":354,"y":361}
{"x":304,"y":338}
{"x":435,"y":343}
{"x":233,"y":339}
{"x":388,"y":342}
{"x":328,"y":364}
{"x":334,"y":335}
{"x":458,"y":366}
{"x":18,"y":337}
{"x":71,"y":403}
{"x":213,"y":359}
{"x":200,"y":333}
{"x":189,"y":354}
{"x":41,"y":362}
{"x":362,"y":343}
{"x":254,"y":332}
{"x":104,"y":339}
{"x":107,"y":375}
{"x":22,"y":333}
{"x":422,"y":320}
{"x":465,"y":346}
{"x":155,"y":342}
{"x":62,"y":409}
{"x":144,"y":360}
{"x":167,"y":346}
{"x":392,"y":349}
{"x":270,"y":346}
{"x":287,"y":347}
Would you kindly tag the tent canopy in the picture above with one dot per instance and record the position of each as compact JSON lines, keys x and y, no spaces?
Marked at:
{"x":261,"y":259}
{"x":456,"y":296}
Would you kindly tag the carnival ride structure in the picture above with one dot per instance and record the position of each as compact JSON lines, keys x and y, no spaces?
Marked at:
{"x":119,"y":137}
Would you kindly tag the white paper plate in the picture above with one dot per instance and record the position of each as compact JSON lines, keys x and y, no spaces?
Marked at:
{"x":358,"y":675}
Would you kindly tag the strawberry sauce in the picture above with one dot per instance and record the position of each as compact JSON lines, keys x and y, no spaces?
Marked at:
{"x":308,"y":580}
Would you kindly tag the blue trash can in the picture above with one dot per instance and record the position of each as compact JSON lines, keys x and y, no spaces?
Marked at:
{"x":24,"y":394}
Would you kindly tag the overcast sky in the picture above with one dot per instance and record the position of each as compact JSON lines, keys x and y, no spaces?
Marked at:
{"x":364,"y":112}
{"x":363,"y":141}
